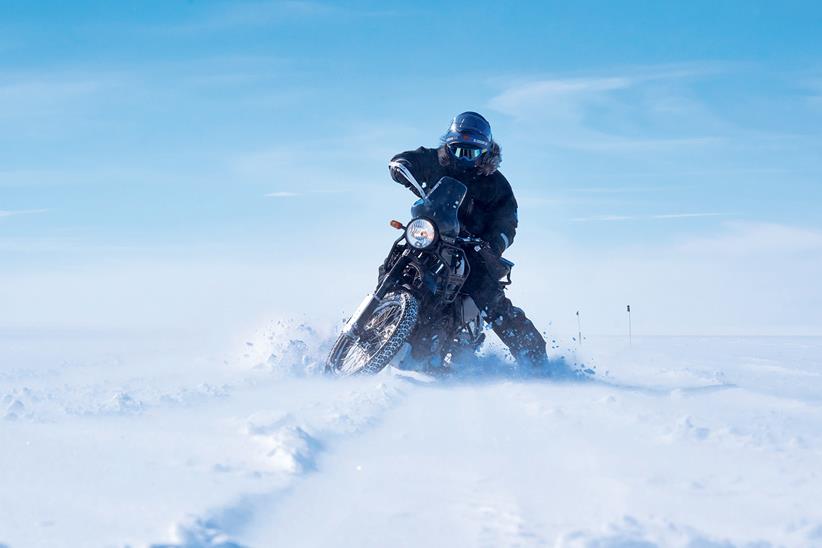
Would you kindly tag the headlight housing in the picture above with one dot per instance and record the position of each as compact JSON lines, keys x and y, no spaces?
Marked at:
{"x":420,"y":233}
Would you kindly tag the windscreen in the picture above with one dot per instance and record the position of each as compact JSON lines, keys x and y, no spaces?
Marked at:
{"x":441,"y":206}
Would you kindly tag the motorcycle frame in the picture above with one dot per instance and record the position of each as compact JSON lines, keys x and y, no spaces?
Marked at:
{"x":424,"y":284}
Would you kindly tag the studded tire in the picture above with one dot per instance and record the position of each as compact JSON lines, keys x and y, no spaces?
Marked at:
{"x":389,"y":326}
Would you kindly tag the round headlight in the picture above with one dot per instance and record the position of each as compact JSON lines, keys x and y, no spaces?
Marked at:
{"x":420,"y":233}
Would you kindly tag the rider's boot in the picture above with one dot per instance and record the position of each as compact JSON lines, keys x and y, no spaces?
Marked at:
{"x":521,"y":337}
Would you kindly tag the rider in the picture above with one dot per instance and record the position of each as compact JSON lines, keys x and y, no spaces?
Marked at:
{"x":469,"y":154}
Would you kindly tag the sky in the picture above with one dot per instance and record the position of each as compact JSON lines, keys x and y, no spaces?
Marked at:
{"x":171,"y":163}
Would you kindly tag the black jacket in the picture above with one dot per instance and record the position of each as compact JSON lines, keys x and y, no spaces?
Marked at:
{"x":489,"y":210}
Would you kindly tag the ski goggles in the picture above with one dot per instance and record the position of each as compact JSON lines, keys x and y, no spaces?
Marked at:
{"x":465,"y":152}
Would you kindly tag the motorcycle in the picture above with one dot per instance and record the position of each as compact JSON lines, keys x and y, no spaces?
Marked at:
{"x":418,"y":305}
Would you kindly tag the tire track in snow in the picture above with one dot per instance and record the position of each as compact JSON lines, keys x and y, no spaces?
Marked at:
{"x":287,"y":448}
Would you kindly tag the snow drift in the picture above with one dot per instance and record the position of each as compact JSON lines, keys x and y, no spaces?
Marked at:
{"x":674,"y":442}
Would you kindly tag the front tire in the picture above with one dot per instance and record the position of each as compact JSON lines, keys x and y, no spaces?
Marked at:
{"x":383,"y":335}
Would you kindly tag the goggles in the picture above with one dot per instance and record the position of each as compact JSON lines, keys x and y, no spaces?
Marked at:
{"x":465,"y":152}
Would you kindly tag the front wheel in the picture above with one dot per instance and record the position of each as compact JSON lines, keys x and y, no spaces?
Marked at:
{"x":383,"y":334}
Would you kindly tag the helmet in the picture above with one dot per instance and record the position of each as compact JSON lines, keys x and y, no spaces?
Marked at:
{"x":468,"y":138}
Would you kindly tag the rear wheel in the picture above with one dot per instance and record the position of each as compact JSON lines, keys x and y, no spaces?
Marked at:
{"x":383,"y":335}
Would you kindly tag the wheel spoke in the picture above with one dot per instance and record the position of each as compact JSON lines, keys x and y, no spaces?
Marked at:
{"x":377,"y":331}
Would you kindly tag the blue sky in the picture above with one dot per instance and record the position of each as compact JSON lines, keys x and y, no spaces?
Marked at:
{"x":209,"y":129}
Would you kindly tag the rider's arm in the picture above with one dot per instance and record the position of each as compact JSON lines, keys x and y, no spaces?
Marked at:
{"x":416,"y":161}
{"x":503,"y":227}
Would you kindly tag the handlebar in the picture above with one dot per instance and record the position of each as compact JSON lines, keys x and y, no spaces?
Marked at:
{"x":399,"y":166}
{"x":403,"y":169}
{"x":470,"y":240}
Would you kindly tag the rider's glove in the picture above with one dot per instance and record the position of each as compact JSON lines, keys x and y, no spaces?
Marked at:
{"x":492,"y":259}
{"x":499,"y":243}
{"x":397,"y":175}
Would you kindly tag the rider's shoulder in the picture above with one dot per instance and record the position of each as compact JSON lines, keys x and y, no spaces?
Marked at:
{"x":502,"y":187}
{"x":419,"y":152}
{"x":423,"y":150}
{"x":500,"y":180}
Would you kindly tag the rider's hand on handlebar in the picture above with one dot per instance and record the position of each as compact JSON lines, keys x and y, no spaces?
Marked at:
{"x":482,"y":246}
{"x":397,"y":175}
{"x":497,"y":245}
{"x":470,"y":239}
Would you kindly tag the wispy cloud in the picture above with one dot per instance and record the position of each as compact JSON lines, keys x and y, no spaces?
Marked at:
{"x":53,"y":102}
{"x":604,"y":218}
{"x":642,"y":108}
{"x":519,"y":97}
{"x":15,"y":212}
{"x":619,"y":189}
{"x":513,"y":100}
{"x":746,"y":238}
{"x":686,"y":215}
{"x":312,"y":191}
{"x":653,"y":217}
{"x":48,"y":92}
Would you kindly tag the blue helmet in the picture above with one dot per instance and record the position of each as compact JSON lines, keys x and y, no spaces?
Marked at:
{"x":468,"y":138}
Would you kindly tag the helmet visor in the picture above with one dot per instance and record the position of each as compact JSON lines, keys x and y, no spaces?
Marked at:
{"x":465,"y":152}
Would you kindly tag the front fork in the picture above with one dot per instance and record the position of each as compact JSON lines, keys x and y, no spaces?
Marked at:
{"x":354,"y":326}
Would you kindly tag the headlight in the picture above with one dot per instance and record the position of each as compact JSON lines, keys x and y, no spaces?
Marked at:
{"x":420,"y":233}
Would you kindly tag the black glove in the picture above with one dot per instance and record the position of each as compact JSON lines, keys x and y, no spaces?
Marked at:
{"x":498,"y":245}
{"x":397,"y":175}
{"x":492,"y":258}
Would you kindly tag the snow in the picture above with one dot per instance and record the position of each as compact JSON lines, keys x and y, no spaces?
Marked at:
{"x":114,"y":438}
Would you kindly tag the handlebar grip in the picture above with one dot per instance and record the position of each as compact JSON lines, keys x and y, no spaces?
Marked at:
{"x":403,"y":169}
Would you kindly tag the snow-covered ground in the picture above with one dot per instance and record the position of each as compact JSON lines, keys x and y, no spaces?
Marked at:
{"x":115,"y":439}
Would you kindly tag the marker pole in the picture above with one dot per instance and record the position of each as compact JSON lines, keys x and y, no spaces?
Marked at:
{"x":579,"y":328}
{"x":629,"y":324}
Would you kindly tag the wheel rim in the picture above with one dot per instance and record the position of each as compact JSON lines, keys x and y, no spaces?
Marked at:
{"x":377,"y":331}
